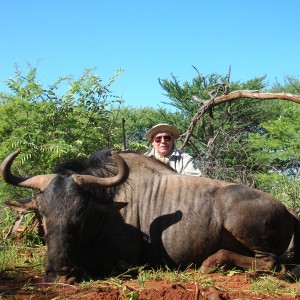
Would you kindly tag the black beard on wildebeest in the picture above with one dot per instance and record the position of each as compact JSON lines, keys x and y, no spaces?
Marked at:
{"x":111,"y":212}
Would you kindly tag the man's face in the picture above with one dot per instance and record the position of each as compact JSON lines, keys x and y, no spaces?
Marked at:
{"x":163,"y":142}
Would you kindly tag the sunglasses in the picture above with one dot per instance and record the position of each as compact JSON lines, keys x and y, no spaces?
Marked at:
{"x":167,"y":138}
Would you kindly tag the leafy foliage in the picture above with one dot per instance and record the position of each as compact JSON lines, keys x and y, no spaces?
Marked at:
{"x":69,"y":118}
{"x":223,"y":129}
{"x":277,"y":150}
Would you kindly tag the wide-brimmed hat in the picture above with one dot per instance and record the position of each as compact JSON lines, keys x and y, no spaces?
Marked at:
{"x":162,"y":127}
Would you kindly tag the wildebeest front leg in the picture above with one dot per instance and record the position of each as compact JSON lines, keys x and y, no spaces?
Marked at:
{"x":261,"y":261}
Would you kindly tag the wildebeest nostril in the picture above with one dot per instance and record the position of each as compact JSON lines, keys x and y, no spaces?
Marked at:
{"x":63,"y":271}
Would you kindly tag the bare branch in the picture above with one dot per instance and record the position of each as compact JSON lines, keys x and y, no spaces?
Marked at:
{"x":217,"y":100}
{"x":203,"y":101}
{"x":255,"y":95}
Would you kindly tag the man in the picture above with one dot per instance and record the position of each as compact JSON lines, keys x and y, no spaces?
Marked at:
{"x":162,"y":137}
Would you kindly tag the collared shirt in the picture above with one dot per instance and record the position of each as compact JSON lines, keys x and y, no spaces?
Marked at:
{"x":180,"y":161}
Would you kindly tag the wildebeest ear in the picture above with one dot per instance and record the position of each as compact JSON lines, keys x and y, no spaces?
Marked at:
{"x":22,"y":205}
{"x":110,"y":207}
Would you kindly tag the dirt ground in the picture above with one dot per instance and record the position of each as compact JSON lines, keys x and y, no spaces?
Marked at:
{"x":215,"y":287}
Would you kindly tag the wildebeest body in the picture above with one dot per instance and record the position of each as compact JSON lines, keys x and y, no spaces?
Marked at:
{"x":193,"y":217}
{"x":170,"y":218}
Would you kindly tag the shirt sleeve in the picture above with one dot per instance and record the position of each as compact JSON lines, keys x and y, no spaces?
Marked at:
{"x":190,"y":168}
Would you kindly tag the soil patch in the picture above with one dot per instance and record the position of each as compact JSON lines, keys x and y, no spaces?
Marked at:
{"x":213,"y":287}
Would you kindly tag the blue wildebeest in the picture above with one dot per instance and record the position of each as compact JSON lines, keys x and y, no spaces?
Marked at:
{"x":110,"y":212}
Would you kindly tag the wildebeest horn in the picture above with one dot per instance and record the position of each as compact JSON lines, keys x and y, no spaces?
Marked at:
{"x":38,"y":182}
{"x":90,"y":180}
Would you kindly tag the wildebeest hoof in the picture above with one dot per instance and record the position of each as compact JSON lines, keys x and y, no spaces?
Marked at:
{"x":207,"y":269}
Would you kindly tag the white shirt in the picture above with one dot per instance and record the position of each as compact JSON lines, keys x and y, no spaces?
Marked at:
{"x":180,"y":161}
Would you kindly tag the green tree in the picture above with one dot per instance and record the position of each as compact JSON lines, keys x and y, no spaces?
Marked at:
{"x":277,"y":150}
{"x":217,"y":140}
{"x":69,"y":118}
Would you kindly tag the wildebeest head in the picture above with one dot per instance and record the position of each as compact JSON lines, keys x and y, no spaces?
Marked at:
{"x":67,"y":201}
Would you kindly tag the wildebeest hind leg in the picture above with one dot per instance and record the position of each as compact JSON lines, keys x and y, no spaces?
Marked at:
{"x":224,"y":258}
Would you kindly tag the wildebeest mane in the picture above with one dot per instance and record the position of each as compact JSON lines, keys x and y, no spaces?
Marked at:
{"x":99,"y":164}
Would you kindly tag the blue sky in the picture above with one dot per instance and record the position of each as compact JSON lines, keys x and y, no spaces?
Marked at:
{"x":150,"y":40}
